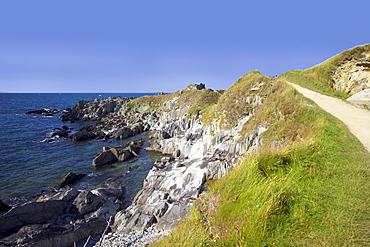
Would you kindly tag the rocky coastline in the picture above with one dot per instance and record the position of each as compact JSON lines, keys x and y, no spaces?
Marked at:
{"x":197,"y":153}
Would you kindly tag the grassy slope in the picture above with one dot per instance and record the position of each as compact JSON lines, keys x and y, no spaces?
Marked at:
{"x":313,"y":192}
{"x":197,"y":100}
{"x":318,"y":78}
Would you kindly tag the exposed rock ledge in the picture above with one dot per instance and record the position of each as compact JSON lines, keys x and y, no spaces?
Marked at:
{"x":172,"y":184}
{"x":352,"y":76}
{"x":199,"y":153}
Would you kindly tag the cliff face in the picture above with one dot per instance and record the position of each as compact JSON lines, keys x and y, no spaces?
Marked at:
{"x":352,"y":76}
{"x":199,"y":151}
{"x":203,"y":130}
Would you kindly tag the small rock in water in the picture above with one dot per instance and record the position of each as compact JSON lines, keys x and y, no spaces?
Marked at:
{"x":70,"y":178}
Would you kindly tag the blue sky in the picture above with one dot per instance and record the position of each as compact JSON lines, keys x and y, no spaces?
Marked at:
{"x":162,"y":46}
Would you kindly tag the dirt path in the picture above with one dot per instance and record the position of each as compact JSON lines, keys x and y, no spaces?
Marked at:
{"x":357,"y":120}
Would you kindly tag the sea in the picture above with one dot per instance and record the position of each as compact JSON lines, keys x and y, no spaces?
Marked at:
{"x":29,"y":165}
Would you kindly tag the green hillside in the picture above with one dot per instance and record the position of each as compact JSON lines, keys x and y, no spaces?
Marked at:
{"x":319,"y":78}
{"x":312,"y":189}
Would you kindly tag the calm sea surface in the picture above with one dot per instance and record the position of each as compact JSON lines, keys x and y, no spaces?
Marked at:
{"x":28,"y":165}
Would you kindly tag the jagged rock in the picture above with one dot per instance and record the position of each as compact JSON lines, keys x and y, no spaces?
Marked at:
{"x":108,"y":192}
{"x":65,"y":195}
{"x":61,"y":133}
{"x":112,"y":155}
{"x":95,"y":109}
{"x":137,"y":129}
{"x":70,"y":178}
{"x":125,"y":154}
{"x":134,"y":150}
{"x":21,"y":215}
{"x":105,"y":158}
{"x":173,"y":215}
{"x":171,"y":185}
{"x":54,"y":235}
{"x":4,"y":207}
{"x":162,"y":188}
{"x":73,"y":217}
{"x":352,"y":76}
{"x":164,"y":135}
{"x":82,"y":136}
{"x":86,"y":202}
{"x":138,"y":142}
{"x":122,"y":133}
{"x":48,"y":112}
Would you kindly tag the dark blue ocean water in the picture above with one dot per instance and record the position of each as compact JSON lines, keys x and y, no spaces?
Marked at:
{"x":28,"y":165}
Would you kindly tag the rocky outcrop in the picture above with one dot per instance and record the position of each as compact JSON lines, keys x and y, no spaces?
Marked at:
{"x":95,"y":109}
{"x":83,"y":135}
{"x":199,"y":153}
{"x":352,"y":76}
{"x":41,"y":235}
{"x":47,"y":112}
{"x":60,"y":218}
{"x":202,"y":153}
{"x":40,"y":211}
{"x":113,"y":155}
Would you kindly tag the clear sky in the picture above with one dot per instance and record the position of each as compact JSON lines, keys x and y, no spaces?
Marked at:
{"x":162,"y":46}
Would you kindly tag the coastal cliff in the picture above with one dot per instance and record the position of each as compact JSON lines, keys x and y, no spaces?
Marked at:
{"x":269,"y":139}
{"x":186,"y":126}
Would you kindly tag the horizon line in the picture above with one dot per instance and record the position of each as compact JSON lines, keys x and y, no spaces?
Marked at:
{"x":77,"y":92}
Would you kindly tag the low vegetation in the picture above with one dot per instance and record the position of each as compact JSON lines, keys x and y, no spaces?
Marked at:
{"x":309,"y":185}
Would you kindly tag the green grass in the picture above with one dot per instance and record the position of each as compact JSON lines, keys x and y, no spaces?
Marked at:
{"x":197,"y":100}
{"x":240,"y":100}
{"x":313,"y":192}
{"x":318,"y":78}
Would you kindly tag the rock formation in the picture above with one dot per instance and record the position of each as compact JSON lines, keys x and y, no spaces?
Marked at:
{"x":113,"y":155}
{"x":353,"y":75}
{"x":199,"y":153}
{"x":60,"y":218}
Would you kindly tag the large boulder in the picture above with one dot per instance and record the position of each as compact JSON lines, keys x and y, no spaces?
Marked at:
{"x":122,"y":133}
{"x":41,"y":235}
{"x":106,"y":158}
{"x":65,"y":195}
{"x":86,"y":202}
{"x":113,"y":155}
{"x":30,"y":213}
{"x":82,"y":136}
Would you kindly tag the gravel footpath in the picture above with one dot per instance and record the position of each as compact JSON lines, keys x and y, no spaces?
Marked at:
{"x":356,"y":119}
{"x":133,"y":239}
